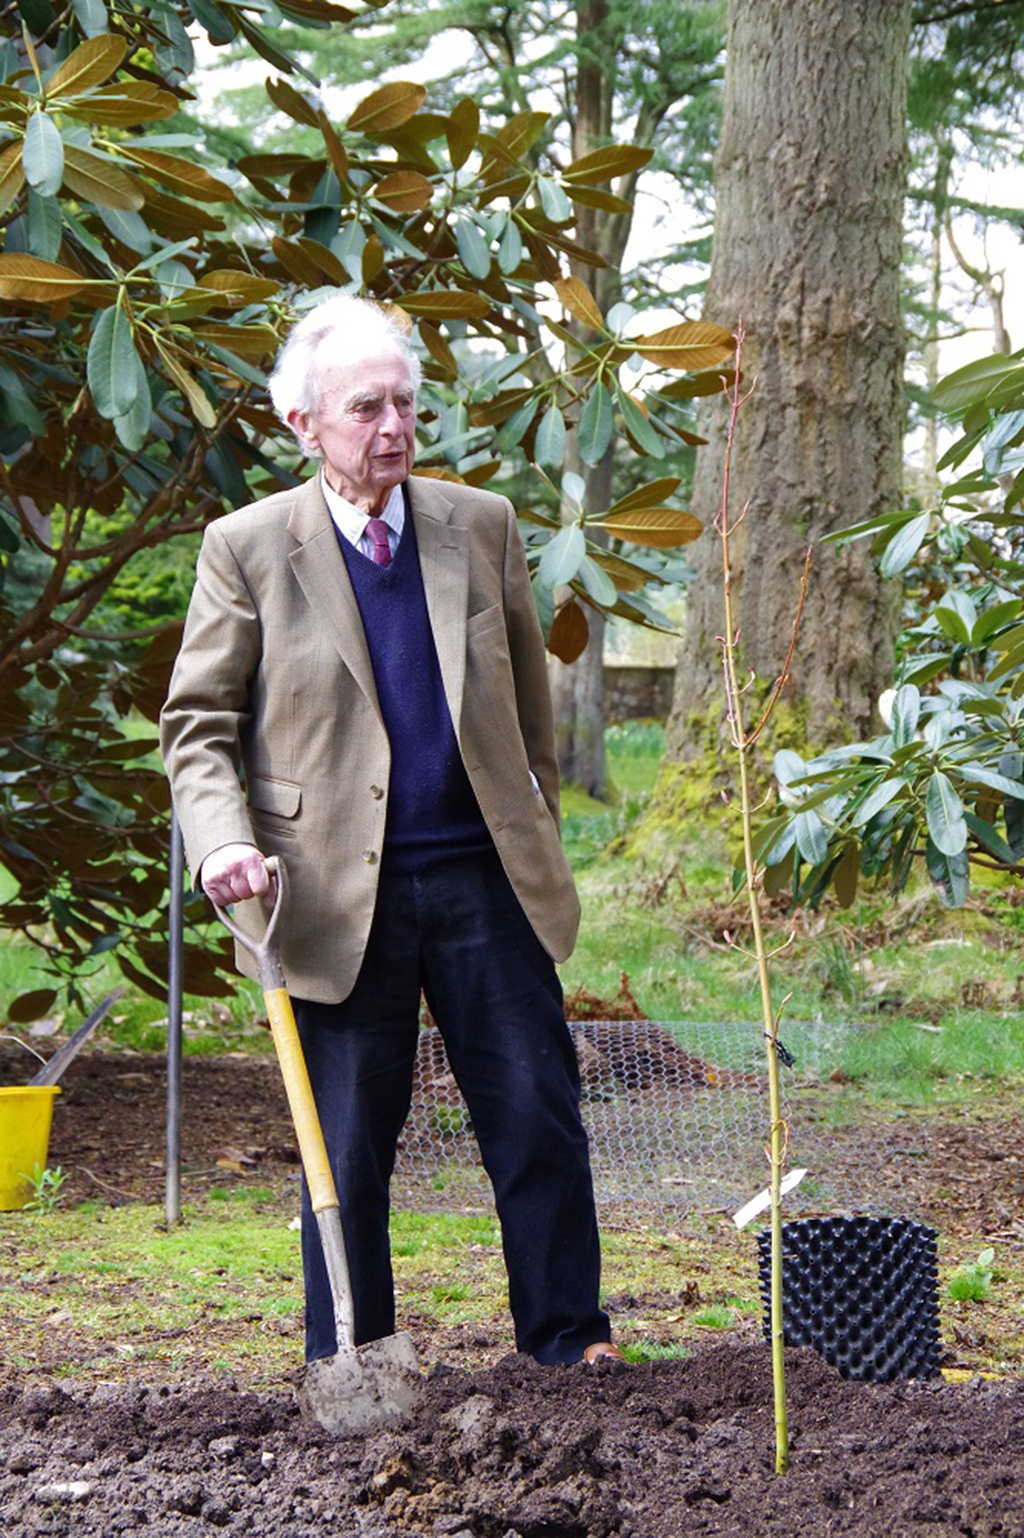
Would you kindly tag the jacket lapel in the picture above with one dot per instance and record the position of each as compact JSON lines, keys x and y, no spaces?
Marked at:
{"x":444,"y":562}
{"x":319,"y":568}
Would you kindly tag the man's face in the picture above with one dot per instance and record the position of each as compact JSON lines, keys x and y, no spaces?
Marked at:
{"x":364,"y":429}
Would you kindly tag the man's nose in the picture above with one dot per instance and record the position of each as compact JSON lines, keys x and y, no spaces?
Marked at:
{"x":390,"y":420}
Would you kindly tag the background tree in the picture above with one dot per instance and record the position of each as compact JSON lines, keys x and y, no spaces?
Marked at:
{"x":964,"y":105}
{"x":942,"y":784}
{"x":809,"y":185}
{"x":808,"y":206}
{"x":136,"y":333}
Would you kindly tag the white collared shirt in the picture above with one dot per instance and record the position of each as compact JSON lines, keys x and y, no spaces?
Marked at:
{"x":351,"y":521}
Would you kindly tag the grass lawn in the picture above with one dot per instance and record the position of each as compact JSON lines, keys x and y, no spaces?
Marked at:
{"x":911,"y":1010}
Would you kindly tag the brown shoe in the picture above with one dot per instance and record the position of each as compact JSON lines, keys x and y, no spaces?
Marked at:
{"x":603,"y":1351}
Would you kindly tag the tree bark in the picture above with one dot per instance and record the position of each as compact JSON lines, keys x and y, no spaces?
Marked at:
{"x":807,"y":252}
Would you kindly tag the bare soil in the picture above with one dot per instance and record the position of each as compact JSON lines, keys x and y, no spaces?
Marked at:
{"x":515,"y":1449}
{"x":506,"y":1450}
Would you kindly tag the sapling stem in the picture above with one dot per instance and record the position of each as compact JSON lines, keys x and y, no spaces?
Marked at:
{"x":743,"y":741}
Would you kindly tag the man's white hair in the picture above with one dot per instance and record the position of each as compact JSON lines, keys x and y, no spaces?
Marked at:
{"x":338,"y":333}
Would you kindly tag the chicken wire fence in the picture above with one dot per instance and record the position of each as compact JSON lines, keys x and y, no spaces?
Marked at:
{"x":676,"y":1113}
{"x":677,"y":1116}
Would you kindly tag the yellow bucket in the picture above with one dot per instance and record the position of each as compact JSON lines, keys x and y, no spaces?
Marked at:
{"x":25,"y":1113}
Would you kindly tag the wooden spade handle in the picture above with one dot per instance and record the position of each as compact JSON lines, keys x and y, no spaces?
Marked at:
{"x":312,"y":1150}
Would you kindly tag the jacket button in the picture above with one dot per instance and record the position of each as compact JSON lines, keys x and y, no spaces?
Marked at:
{"x":376,"y":792}
{"x":370,"y":856}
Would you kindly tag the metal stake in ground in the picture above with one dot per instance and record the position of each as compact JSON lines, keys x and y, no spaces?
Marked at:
{"x":360,"y":1388}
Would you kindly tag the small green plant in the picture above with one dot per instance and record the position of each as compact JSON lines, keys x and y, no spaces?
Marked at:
{"x":634,"y":752}
{"x":450,"y":1292}
{"x":653,"y":1351}
{"x":748,"y":1305}
{"x":715,"y":1317}
{"x":46,"y":1188}
{"x":972,"y":1284}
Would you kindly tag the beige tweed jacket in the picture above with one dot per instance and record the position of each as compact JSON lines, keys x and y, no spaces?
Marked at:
{"x":272,"y":733}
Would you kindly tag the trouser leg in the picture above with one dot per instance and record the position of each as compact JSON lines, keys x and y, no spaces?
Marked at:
{"x":496,"y":997}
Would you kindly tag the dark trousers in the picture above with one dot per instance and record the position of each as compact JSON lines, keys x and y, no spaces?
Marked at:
{"x":457,"y":932}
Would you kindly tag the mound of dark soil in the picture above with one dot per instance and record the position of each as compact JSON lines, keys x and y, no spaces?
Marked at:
{"x":510,"y":1450}
{"x":521,"y":1451}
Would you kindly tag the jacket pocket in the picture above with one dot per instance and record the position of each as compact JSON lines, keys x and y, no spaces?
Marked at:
{"x":485,"y":619}
{"x":279,"y":798}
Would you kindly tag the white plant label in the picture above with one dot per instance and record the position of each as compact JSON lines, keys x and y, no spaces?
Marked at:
{"x":763,"y":1199}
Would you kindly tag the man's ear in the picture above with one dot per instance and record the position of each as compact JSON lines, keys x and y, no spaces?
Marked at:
{"x":302,"y":427}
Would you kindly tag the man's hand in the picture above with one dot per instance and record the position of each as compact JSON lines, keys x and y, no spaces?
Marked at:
{"x":233,"y":873}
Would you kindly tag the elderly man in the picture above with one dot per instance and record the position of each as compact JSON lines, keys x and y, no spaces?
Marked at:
{"x":362,"y":691}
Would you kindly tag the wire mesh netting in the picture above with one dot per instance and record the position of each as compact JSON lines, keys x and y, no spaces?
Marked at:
{"x":677,"y":1116}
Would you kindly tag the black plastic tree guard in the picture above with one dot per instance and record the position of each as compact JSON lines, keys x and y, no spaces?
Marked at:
{"x":863,"y":1291}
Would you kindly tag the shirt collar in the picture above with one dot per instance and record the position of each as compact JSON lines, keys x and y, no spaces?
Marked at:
{"x":351,"y":521}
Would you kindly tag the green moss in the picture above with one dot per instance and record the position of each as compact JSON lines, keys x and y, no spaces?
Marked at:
{"x":702,"y":788}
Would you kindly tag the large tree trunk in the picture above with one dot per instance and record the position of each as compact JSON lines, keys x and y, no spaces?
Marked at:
{"x":807,"y":251}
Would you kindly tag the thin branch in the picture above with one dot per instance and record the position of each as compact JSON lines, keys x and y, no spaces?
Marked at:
{"x":39,"y":632}
{"x":735,"y":945}
{"x":116,"y":1190}
{"x":783,"y":678}
{"x":990,"y":283}
{"x":967,"y":8}
{"x":782,"y":1006}
{"x":987,"y":864}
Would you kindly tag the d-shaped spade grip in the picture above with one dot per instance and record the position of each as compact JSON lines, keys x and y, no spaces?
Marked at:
{"x":263,"y":952}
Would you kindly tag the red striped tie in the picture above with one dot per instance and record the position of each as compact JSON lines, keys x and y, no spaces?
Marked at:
{"x":378,"y":532}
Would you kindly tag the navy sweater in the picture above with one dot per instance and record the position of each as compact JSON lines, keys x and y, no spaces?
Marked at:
{"x":432,"y":811}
